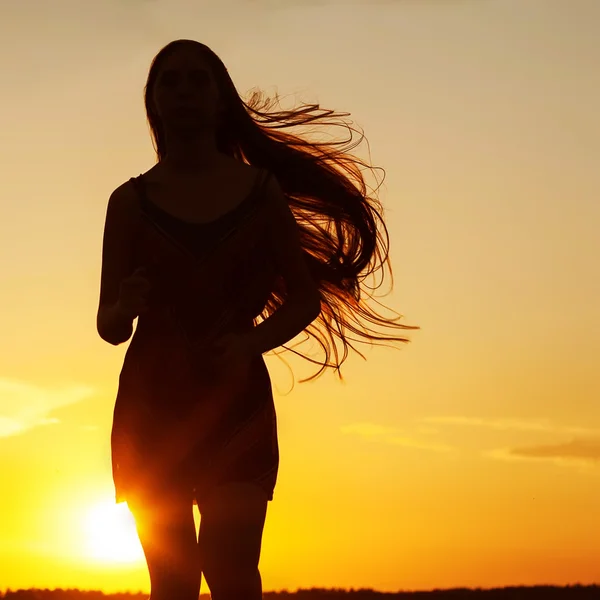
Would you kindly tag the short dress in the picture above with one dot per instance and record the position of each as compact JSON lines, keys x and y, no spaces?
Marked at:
{"x":181,"y":422}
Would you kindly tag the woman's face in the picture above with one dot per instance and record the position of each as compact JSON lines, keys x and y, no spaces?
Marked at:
{"x":185,"y":93}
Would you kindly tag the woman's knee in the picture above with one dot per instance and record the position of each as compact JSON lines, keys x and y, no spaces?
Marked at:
{"x":230,"y":581}
{"x":230,"y":538}
{"x":230,"y":559}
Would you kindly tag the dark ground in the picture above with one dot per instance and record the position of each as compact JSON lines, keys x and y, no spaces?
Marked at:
{"x":509,"y":593}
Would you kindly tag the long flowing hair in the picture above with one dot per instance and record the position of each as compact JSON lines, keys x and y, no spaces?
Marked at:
{"x":342,"y":230}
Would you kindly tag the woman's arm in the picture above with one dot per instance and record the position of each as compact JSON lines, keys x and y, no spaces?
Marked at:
{"x":113,"y":324}
{"x":303,"y":303}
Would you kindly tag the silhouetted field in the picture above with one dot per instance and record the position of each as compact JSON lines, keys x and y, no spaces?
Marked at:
{"x":579,"y":592}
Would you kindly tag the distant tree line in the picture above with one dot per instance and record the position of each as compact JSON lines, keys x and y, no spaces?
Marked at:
{"x":575,"y":592}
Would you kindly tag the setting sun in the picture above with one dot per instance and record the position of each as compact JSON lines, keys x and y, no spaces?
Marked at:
{"x":110,"y":534}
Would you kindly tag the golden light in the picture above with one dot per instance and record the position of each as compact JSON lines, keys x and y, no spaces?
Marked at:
{"x":111,"y":535}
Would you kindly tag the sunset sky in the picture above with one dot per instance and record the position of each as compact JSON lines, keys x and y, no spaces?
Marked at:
{"x":467,"y":458}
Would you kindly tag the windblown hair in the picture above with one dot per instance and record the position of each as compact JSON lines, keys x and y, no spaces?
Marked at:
{"x":342,"y":231}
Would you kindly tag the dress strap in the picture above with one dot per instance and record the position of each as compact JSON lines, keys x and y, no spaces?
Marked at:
{"x":140,"y":188}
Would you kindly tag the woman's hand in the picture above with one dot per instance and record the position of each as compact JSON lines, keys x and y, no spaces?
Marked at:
{"x":227,"y":356}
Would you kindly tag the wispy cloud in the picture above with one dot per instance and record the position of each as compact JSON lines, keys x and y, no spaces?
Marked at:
{"x":393,"y":436}
{"x":575,"y":449}
{"x":580,"y":454}
{"x":24,"y":405}
{"x":525,"y":425}
{"x":582,"y":447}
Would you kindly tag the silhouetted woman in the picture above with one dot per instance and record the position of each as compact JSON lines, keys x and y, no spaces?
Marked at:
{"x":241,"y":237}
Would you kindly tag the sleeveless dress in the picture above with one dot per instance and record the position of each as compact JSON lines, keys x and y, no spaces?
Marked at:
{"x":181,"y":421}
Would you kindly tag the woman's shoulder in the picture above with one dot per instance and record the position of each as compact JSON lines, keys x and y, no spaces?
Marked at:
{"x":123,"y":200}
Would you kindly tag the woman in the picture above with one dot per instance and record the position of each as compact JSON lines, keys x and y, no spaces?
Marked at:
{"x":240,"y":238}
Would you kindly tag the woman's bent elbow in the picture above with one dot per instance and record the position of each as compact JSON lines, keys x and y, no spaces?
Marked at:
{"x":112,"y":327}
{"x":109,"y":335}
{"x":111,"y":339}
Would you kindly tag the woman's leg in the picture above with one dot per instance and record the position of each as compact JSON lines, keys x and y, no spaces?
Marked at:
{"x":231,"y":527}
{"x":167,"y":534}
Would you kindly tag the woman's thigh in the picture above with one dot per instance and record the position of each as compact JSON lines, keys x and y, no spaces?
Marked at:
{"x":231,"y":528}
{"x":167,"y":533}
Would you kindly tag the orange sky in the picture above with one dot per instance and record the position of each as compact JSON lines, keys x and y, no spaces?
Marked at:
{"x":469,"y":457}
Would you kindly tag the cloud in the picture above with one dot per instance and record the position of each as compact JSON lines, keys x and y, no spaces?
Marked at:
{"x":533,"y":426}
{"x":583,"y":447}
{"x":24,"y":405}
{"x":578,"y":449}
{"x":392,"y":436}
{"x":579,"y":454}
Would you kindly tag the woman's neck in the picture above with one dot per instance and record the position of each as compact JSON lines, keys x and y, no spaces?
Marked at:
{"x":191,"y":155}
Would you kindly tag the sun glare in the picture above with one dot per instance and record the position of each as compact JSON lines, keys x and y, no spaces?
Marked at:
{"x":111,"y":535}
